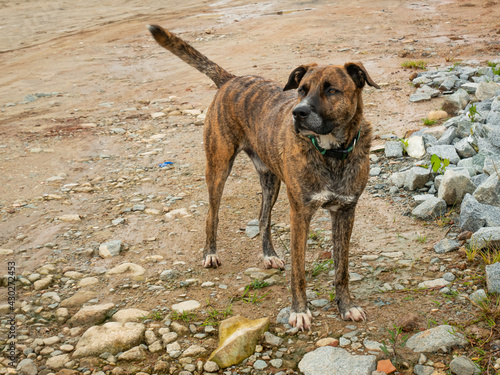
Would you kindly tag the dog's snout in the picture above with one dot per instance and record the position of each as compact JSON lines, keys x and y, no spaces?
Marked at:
{"x":301,"y":111}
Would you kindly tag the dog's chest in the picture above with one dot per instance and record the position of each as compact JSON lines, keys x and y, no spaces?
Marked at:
{"x":331,"y":200}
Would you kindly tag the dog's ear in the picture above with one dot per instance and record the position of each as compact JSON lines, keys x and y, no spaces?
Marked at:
{"x":297,"y":75}
{"x":359,"y":74}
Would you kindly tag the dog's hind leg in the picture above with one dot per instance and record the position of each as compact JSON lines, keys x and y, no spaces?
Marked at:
{"x":218,"y":167}
{"x":342,"y":223}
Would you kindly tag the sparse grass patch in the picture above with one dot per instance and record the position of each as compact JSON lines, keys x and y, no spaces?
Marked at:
{"x":257,"y":284}
{"x":415,"y":64}
{"x":396,"y":341}
{"x":153,"y":315}
{"x":185,"y":316}
{"x":215,"y":316}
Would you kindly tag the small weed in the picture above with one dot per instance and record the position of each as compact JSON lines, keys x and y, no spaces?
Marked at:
{"x":418,"y":64}
{"x":439,"y":165}
{"x":331,"y":296}
{"x":472,"y":112}
{"x":215,"y":316}
{"x":471,"y":252}
{"x":153,"y":315}
{"x":428,"y":122}
{"x":319,"y":267}
{"x":185,"y":316}
{"x":257,"y":284}
{"x":421,"y":238}
{"x":315,"y":235}
{"x":493,"y":65}
{"x":404,"y":143}
{"x":395,"y":341}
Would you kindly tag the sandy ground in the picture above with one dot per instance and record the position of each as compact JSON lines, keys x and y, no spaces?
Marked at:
{"x":96,"y":64}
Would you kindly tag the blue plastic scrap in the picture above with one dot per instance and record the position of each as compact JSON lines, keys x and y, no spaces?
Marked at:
{"x":165,"y":164}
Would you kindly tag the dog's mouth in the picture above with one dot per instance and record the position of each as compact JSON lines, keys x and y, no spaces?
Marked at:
{"x":316,"y":129}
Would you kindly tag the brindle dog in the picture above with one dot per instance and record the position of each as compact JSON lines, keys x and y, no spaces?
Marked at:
{"x":315,"y":140}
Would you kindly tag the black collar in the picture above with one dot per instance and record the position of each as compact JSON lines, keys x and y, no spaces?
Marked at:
{"x":337,"y":153}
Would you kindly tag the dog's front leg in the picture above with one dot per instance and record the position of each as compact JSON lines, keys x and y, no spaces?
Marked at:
{"x":300,"y":218}
{"x":342,"y":223}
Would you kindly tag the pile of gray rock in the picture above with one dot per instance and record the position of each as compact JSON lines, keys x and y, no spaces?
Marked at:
{"x":465,"y":152}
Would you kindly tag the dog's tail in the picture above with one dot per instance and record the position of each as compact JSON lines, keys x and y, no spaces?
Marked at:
{"x":189,"y":55}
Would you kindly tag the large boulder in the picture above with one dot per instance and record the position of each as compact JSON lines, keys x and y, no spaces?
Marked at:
{"x":489,"y":191}
{"x":436,"y":339}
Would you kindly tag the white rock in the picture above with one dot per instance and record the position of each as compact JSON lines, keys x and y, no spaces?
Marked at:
{"x":186,"y":306}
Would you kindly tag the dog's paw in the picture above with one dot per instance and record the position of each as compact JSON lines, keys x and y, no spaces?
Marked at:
{"x":356,"y":314}
{"x":302,"y":321}
{"x":274,"y":262}
{"x":211,"y":261}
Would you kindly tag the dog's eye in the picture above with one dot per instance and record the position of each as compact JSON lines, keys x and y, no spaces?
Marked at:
{"x":301,"y":90}
{"x":332,"y":91}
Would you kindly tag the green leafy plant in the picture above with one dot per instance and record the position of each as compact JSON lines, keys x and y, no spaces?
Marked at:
{"x":473,"y":112}
{"x":404,"y":143}
{"x":428,"y":122}
{"x":439,"y":165}
{"x":418,"y":64}
{"x":396,"y":341}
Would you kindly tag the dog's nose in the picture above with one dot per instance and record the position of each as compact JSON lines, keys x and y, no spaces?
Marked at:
{"x":301,"y":112}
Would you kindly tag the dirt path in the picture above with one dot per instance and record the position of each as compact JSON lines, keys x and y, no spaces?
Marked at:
{"x":99,"y":77}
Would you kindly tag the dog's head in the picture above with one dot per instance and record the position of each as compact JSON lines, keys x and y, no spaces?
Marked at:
{"x":329,"y":97}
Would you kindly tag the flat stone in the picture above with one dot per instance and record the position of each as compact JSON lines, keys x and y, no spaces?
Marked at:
{"x":186,"y":306}
{"x":91,"y":315}
{"x":259,"y":364}
{"x":329,"y":360}
{"x":272,"y":340}
{"x":430,"y":209}
{"x":437,"y":283}
{"x":210,"y":366}
{"x":194,"y":351}
{"x":112,"y":337}
{"x":110,"y":249}
{"x":87,"y":281}
{"x":134,"y":354}
{"x":464,"y":366}
{"x":127,"y":268}
{"x":169,"y":337}
{"x":327,"y":341}
{"x":43,"y":283}
{"x":169,"y":275}
{"x":423,"y":370}
{"x":57,"y":362}
{"x":252,"y":228}
{"x":78,"y":299}
{"x":440,"y":338}
{"x":456,"y":102}
{"x":493,"y":277}
{"x":129,"y":315}
{"x":372,"y":345}
{"x":259,"y":273}
{"x":393,"y":149}
{"x":446,"y":245}
{"x":27,"y":367}
{"x":69,"y":217}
